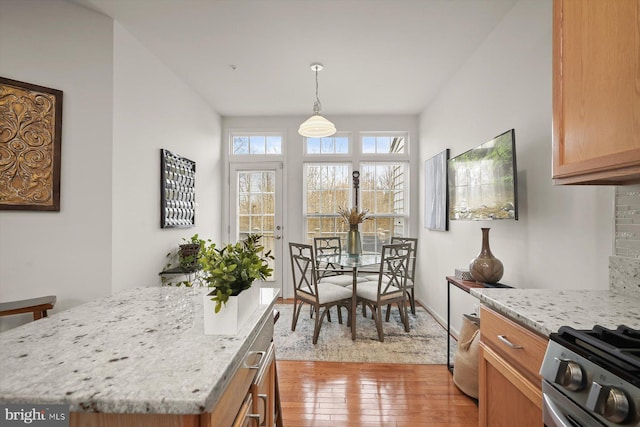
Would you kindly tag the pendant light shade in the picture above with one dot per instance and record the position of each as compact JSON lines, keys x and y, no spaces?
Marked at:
{"x":316,"y":126}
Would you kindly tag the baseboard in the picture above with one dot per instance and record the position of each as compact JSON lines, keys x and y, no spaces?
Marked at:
{"x":438,"y":318}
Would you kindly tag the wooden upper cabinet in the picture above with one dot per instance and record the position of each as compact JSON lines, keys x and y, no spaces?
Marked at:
{"x":596,"y":92}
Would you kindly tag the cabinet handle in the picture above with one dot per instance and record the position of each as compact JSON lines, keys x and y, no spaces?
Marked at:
{"x":257,"y":365}
{"x":264,"y":398}
{"x":254,"y":417}
{"x":509,"y":343}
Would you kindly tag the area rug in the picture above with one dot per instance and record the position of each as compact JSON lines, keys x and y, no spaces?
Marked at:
{"x":425,"y":343}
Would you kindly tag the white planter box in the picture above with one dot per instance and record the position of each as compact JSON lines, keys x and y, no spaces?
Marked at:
{"x":232,"y":316}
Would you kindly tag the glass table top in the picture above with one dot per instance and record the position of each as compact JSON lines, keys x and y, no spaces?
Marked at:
{"x":351,"y":261}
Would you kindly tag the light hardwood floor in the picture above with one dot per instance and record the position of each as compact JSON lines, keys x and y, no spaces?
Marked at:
{"x":358,"y":394}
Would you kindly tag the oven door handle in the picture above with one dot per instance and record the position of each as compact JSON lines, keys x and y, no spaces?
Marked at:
{"x":558,"y":418}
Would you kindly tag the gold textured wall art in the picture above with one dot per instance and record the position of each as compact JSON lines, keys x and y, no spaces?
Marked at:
{"x":30,"y":136}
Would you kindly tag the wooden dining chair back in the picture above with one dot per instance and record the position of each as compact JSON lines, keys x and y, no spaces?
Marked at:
{"x":411,"y":268}
{"x":307,"y":290}
{"x":328,"y":271}
{"x":389,"y":288}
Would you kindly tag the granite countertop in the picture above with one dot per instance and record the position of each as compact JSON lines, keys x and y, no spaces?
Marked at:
{"x":546,"y":310}
{"x":140,"y":351}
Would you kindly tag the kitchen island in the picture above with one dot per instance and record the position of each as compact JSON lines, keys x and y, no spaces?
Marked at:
{"x":142,"y":351}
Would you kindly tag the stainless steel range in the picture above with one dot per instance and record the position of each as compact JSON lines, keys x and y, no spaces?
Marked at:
{"x":592,"y":378}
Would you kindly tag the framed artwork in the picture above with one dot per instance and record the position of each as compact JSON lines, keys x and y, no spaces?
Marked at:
{"x":177,"y":191}
{"x":436,"y":195}
{"x":30,"y":139}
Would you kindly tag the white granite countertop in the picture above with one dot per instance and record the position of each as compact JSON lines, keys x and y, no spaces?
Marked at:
{"x":546,"y":310}
{"x":140,"y":351}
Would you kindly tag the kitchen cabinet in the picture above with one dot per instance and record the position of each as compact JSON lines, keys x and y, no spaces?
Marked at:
{"x":509,"y":383}
{"x":249,"y":399}
{"x":596,"y":96}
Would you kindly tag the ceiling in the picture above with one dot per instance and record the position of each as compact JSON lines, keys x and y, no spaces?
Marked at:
{"x":253,"y":57}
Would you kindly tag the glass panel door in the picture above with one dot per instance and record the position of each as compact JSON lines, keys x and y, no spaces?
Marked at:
{"x":256,"y":201}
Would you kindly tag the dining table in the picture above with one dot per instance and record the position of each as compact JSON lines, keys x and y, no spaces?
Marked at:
{"x":355,"y":263}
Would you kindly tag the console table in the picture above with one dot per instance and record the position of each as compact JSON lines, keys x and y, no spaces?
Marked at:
{"x":465,"y":285}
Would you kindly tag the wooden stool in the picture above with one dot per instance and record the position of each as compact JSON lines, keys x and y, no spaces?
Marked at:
{"x":37,"y":306}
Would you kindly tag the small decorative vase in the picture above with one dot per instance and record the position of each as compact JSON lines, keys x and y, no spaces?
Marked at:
{"x":486,"y":268}
{"x":354,"y":242}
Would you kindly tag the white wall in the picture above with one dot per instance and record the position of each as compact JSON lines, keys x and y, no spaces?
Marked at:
{"x":67,"y":253}
{"x":121,"y":105}
{"x":293,"y":220}
{"x":563,"y":237}
{"x":153,"y":109}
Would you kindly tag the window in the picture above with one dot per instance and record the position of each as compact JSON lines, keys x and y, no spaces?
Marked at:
{"x":263,"y":143}
{"x":383,"y":190}
{"x":383,"y":144}
{"x":382,"y":160}
{"x":328,"y":187}
{"x":328,"y":145}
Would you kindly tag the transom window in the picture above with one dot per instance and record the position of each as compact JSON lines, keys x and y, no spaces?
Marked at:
{"x":263,"y":143}
{"x":383,"y":144}
{"x":328,"y":145}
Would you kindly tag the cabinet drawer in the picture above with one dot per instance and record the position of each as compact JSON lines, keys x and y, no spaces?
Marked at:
{"x":516,"y":344}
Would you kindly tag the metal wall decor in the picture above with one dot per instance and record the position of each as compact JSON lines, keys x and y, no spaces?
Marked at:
{"x":177,"y":191}
{"x":30,"y":138}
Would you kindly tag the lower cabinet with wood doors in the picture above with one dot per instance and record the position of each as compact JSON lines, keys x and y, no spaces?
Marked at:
{"x":249,"y":399}
{"x":509,"y":380}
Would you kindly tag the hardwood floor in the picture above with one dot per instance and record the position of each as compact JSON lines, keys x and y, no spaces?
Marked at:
{"x":357,"y":394}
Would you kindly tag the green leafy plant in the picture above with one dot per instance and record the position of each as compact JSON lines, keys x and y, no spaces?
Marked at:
{"x":187,"y":256}
{"x":233,"y":268}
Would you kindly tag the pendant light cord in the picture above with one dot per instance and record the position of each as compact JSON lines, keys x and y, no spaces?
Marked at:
{"x":317,"y":105}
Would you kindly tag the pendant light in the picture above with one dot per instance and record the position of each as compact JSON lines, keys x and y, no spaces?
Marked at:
{"x":316,"y":126}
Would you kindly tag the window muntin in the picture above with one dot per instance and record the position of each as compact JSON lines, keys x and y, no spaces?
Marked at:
{"x":263,"y":143}
{"x":383,"y":143}
{"x":336,"y":144}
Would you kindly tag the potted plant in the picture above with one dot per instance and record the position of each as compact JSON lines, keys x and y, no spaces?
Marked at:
{"x":188,"y":253}
{"x":233,"y":268}
{"x":185,"y":261}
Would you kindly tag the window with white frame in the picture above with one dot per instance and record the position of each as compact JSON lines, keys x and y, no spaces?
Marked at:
{"x":328,"y":187}
{"x":382,"y":159}
{"x":246,"y":143}
{"x":336,"y":144}
{"x":376,"y":143}
{"x":383,"y":190}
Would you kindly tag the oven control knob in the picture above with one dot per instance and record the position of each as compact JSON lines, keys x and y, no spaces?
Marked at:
{"x":610,"y":402}
{"x":570,"y":375}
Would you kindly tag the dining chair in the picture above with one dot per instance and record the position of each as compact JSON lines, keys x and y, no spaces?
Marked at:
{"x":307,"y":289}
{"x":327,"y":271}
{"x":411,"y":269}
{"x":389,"y":288}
